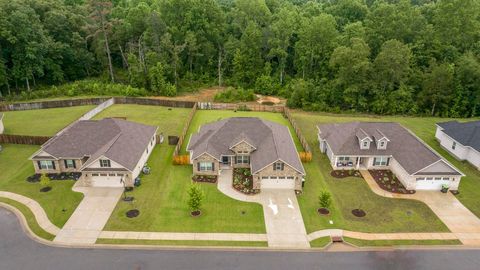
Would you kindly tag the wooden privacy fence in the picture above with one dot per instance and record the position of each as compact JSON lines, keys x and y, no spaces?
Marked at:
{"x":154,"y":102}
{"x":239,"y":107}
{"x":176,"y":152}
{"x":23,"y":139}
{"x":303,"y":141}
{"x":51,"y":104}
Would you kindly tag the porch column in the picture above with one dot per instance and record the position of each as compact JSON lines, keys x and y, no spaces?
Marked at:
{"x":335,"y":162}
{"x":358,"y":162}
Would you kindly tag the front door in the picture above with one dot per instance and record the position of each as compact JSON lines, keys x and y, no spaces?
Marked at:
{"x":226,"y":160}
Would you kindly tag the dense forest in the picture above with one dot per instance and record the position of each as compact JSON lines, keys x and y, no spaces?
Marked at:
{"x":379,"y":56}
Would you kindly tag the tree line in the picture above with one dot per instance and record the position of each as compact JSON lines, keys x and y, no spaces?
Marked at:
{"x":417,"y":57}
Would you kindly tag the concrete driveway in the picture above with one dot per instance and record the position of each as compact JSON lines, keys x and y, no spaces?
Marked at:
{"x":91,"y":215}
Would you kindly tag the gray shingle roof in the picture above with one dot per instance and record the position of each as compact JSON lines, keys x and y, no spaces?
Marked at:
{"x":121,"y":141}
{"x":271,"y":140}
{"x":467,"y":134}
{"x":407,"y":149}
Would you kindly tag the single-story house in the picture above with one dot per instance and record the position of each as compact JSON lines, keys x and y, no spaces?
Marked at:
{"x":265,"y":147}
{"x":462,"y":140}
{"x":377,"y":145}
{"x":109,"y":152}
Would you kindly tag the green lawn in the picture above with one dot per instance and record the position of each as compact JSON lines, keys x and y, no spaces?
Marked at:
{"x":170,"y":121}
{"x":207,"y":116}
{"x":45,"y":122}
{"x":383,"y":243}
{"x":183,"y":243}
{"x":321,"y":242}
{"x":383,"y":214}
{"x":15,"y":167}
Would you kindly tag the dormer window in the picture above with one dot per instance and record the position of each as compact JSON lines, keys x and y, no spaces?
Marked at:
{"x":365,"y":144}
{"x":382,"y":144}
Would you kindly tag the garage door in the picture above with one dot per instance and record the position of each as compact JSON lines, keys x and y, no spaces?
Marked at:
{"x":106,"y":180}
{"x":432,"y":183}
{"x":278,"y":182}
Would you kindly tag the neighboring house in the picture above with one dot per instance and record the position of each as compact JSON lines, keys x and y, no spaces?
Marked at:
{"x":2,"y":128}
{"x":370,"y":145}
{"x":265,"y":147}
{"x":462,"y":140}
{"x":107,"y":152}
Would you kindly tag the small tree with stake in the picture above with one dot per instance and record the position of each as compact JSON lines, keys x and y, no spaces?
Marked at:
{"x":195,"y":199}
{"x":325,"y":200}
{"x":45,"y":183}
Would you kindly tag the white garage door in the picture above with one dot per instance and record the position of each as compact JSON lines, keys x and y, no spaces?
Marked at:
{"x":106,"y":180}
{"x":278,"y":183}
{"x":432,"y":183}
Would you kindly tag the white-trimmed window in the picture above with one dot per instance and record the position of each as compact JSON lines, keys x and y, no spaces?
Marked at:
{"x":278,"y":166}
{"x":243,"y":159}
{"x":69,"y":163}
{"x":420,"y":178}
{"x":429,"y":178}
{"x":94,"y":174}
{"x":365,"y":144}
{"x":105,"y":163}
{"x":205,"y":166}
{"x":46,"y":165}
{"x":264,"y":177}
{"x":446,"y":178}
{"x":438,"y":178}
{"x":454,"y":145}
{"x":290,"y":177}
{"x":380,"y":161}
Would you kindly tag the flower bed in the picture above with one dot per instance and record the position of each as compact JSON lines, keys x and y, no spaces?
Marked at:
{"x":55,"y":176}
{"x":243,"y":181}
{"x":389,"y":182}
{"x":205,"y":178}
{"x":345,"y":173}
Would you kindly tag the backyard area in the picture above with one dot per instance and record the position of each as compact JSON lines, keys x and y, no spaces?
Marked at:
{"x":382,"y":214}
{"x":44,"y":122}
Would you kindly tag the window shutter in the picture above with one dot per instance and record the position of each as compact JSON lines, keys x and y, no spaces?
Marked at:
{"x":274,"y":166}
{"x":388,"y":161}
{"x":283,"y":166}
{"x":74,"y":164}
{"x":374,"y":161}
{"x":198,"y":166}
{"x":53,"y":164}
{"x":213,"y":166}
{"x":66,"y":163}
{"x":39,"y":165}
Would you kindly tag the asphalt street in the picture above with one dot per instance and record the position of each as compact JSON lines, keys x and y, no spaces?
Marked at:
{"x":18,"y":251}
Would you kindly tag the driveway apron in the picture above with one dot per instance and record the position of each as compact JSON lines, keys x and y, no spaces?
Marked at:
{"x":91,"y":215}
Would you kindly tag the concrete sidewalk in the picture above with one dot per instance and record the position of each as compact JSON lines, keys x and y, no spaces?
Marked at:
{"x":183,"y":236}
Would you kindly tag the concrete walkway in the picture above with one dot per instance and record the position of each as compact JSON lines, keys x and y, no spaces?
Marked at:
{"x":382,"y":236}
{"x":91,"y":215}
{"x":183,"y":236}
{"x":283,"y":219}
{"x":36,"y":209}
{"x":461,"y":222}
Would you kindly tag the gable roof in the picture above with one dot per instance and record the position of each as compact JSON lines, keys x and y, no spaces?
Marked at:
{"x":467,"y":134}
{"x":272,"y":141}
{"x":407,"y":149}
{"x":119,"y":140}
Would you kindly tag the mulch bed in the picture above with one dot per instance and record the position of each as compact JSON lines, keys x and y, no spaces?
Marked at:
{"x":45,"y":189}
{"x":243,"y":181}
{"x":133,"y":213}
{"x":195,"y":213}
{"x":55,"y":176}
{"x":455,"y":192}
{"x":345,"y":173}
{"x":386,"y":180}
{"x":205,"y":178}
{"x":358,"y":213}
{"x":323,"y":211}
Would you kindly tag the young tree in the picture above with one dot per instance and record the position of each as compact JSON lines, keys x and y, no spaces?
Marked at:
{"x":325,"y":199}
{"x":195,"y":197}
{"x":44,"y":181}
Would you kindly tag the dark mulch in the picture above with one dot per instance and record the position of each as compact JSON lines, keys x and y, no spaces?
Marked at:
{"x":358,"y":213}
{"x":455,"y":192}
{"x":205,"y":178}
{"x":323,"y":211}
{"x":345,"y":173}
{"x":128,"y":189}
{"x":243,"y":181}
{"x":55,"y":176}
{"x":45,"y":189}
{"x":389,"y":182}
{"x":195,"y":213}
{"x":133,"y":213}
{"x":128,"y":199}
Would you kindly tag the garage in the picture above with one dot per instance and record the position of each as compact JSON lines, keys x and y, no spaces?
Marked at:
{"x":106,"y":180}
{"x":274,"y":182}
{"x":431,"y":183}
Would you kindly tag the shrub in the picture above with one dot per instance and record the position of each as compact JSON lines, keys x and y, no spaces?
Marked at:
{"x":195,"y":197}
{"x":231,"y":95}
{"x":305,"y":156}
{"x":44,"y":180}
{"x":325,"y":199}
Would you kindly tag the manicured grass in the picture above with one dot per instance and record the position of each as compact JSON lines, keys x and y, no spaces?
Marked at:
{"x":30,"y":218}
{"x":321,"y":242}
{"x":207,"y":116}
{"x":59,"y":203}
{"x":383,"y":214}
{"x":45,"y":122}
{"x":380,"y":243}
{"x":170,"y":121}
{"x":162,"y":199}
{"x":183,"y":243}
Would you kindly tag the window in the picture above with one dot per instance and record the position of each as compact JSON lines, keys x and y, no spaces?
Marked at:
{"x":429,"y":178}
{"x":119,"y":174}
{"x":273,"y":177}
{"x":281,"y":177}
{"x":365,"y":144}
{"x":243,"y":159}
{"x":46,"y":165}
{"x":438,"y":178}
{"x":264,"y":177}
{"x":105,"y":163}
{"x":111,"y":174}
{"x":205,"y":166}
{"x":69,"y":163}
{"x":446,"y":178}
{"x":94,"y":174}
{"x":278,"y":166}
{"x":290,"y":177}
{"x":454,"y":145}
{"x":420,"y":178}
{"x":103,"y":174}
{"x":381,"y":161}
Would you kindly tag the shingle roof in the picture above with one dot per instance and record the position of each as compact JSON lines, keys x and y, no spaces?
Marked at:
{"x":407,"y":149}
{"x":121,"y":141}
{"x":271,"y":140}
{"x":467,"y":134}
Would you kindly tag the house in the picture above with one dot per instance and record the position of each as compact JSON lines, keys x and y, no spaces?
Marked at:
{"x":462,"y":140}
{"x":265,"y":147}
{"x":376,"y":145}
{"x":108,"y":152}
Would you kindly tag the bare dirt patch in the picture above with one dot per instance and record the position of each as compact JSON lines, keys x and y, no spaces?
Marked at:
{"x":202,"y":95}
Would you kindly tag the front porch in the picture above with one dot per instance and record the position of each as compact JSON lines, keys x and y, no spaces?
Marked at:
{"x":350,"y":163}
